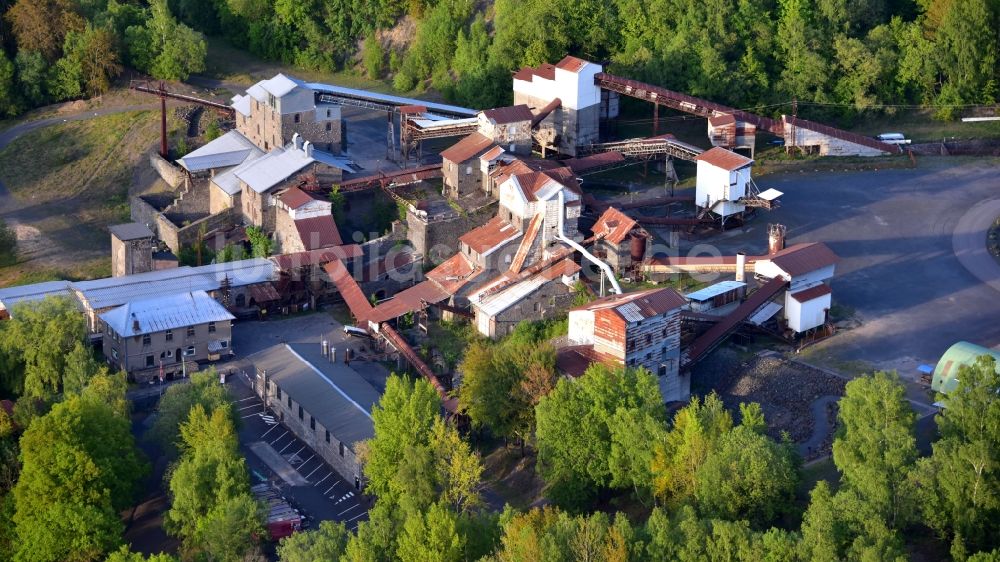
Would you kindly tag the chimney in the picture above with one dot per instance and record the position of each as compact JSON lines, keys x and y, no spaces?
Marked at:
{"x":775,"y":238}
{"x":307,"y":147}
{"x":135,"y":323}
{"x":297,"y":141}
{"x":741,"y":266}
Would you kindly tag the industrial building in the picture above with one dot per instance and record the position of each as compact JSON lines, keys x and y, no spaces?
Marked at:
{"x":961,"y":354}
{"x":131,"y":249}
{"x":322,"y":400}
{"x":145,"y":337}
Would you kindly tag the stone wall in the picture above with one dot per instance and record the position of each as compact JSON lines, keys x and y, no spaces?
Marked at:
{"x":172,"y":235}
{"x":436,"y":237}
{"x":173,"y":175}
{"x":550,"y":301}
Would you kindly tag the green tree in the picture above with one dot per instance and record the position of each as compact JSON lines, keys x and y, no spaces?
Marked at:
{"x":165,"y":48}
{"x":261,"y":245}
{"x":326,"y":542}
{"x":967,"y":49}
{"x":10,"y":105}
{"x":875,"y":447}
{"x":337,"y":202}
{"x":123,"y":554}
{"x":80,"y":468}
{"x":81,"y":366}
{"x":213,"y":131}
{"x":204,"y":390}
{"x":42,"y":25}
{"x":431,"y":536}
{"x":748,"y":477}
{"x":959,"y":484}
{"x":38,"y":340}
{"x":373,"y":56}
{"x":574,"y":427}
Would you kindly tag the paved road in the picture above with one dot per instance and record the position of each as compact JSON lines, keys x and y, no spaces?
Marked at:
{"x":895,"y":231}
{"x":969,"y":242}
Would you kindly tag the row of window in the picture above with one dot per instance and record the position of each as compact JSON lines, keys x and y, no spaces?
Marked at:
{"x":312,"y":420}
{"x":169,"y":334}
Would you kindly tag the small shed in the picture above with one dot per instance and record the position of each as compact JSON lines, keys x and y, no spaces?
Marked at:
{"x":715,"y":296}
{"x":945,"y":377}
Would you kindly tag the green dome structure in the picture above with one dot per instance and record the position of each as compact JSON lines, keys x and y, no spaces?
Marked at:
{"x":945,"y":377}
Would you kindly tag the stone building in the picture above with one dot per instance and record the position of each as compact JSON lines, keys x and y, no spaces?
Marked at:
{"x":461,"y":167}
{"x":274,"y":110}
{"x":507,"y":301}
{"x":131,"y":249}
{"x":324,"y":403}
{"x":508,"y":127}
{"x":143,"y":335}
{"x":621,"y":242}
{"x":264,"y":179}
{"x":304,"y":223}
{"x":640,"y":329}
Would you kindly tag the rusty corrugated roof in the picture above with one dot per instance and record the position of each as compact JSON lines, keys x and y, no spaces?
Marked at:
{"x":800,"y":259}
{"x":490,"y":236}
{"x":725,"y":159}
{"x":720,"y":120}
{"x":614,"y":225}
{"x":575,"y":359}
{"x":571,"y":63}
{"x":453,"y":273}
{"x":580,"y":165}
{"x":640,"y":304}
{"x":295,"y":198}
{"x":349,"y":289}
{"x":811,"y":293}
{"x":467,"y":148}
{"x":318,"y":232}
{"x":544,"y":70}
{"x":286,"y":262}
{"x":409,"y":300}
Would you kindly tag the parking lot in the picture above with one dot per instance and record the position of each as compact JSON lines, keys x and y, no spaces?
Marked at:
{"x":276,"y":456}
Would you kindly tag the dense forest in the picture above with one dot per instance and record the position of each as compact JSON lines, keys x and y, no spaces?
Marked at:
{"x":836,"y":57}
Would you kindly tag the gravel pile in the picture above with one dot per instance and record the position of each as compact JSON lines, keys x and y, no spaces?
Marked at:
{"x":784,"y":390}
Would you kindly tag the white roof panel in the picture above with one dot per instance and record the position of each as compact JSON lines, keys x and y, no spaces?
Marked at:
{"x":258,"y":92}
{"x":242,"y":104}
{"x":280,"y":85}
{"x":770,"y":194}
{"x":713,"y":291}
{"x":230,"y":149}
{"x":168,"y":312}
{"x":10,"y":296}
{"x":765,"y":313}
{"x":388,"y":99}
{"x":273,"y":168}
{"x":228,"y":181}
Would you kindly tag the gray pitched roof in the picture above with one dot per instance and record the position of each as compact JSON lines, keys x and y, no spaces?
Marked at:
{"x":9,"y":296}
{"x":130,"y":231}
{"x":333,"y":393}
{"x":168,"y":312}
{"x":231,"y":149}
{"x":273,"y":168}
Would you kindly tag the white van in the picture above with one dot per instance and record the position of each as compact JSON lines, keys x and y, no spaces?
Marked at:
{"x":893,"y":138}
{"x":355,"y":332}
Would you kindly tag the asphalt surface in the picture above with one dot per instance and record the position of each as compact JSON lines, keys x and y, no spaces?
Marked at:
{"x":897,"y":232}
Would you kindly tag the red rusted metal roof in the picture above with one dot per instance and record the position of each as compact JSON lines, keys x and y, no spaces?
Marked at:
{"x":286,"y":262}
{"x":413,"y":109}
{"x":544,"y":70}
{"x":571,"y":64}
{"x":581,"y":165}
{"x":504,"y":171}
{"x":509,"y":114}
{"x":811,"y":293}
{"x":295,"y":198}
{"x":575,"y":359}
{"x":721,"y":120}
{"x":409,"y":300}
{"x":639,"y":305}
{"x":532,"y":182}
{"x":467,"y":148}
{"x":800,"y":259}
{"x":565,"y":267}
{"x":453,"y":273}
{"x":725,"y":159}
{"x":491,"y":235}
{"x":318,"y":232}
{"x":349,"y":289}
{"x":264,"y":292}
{"x":614,"y":225}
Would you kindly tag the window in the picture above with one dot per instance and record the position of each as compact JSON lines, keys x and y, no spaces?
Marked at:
{"x":329,"y":126}
{"x":169,"y":353}
{"x":312,"y":423}
{"x":535,"y":307}
{"x":341,"y":448}
{"x":241,"y":300}
{"x":289,"y":401}
{"x":328,"y":436}
{"x":663,"y":370}
{"x":114,"y":353}
{"x":296,"y":117}
{"x":189,"y":351}
{"x":211,"y":327}
{"x":649,"y":356}
{"x":224,"y":344}
{"x":190,"y":331}
{"x":278,"y":392}
{"x":149,"y":360}
{"x":169,"y":335}
{"x":649,"y":339}
{"x":301,"y":413}
{"x":146,"y":340}
{"x":327,"y":112}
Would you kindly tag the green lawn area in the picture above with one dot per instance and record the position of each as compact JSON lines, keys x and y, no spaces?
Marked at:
{"x":70,"y":182}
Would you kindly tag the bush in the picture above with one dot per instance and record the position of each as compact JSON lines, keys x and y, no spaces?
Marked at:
{"x":8,"y":244}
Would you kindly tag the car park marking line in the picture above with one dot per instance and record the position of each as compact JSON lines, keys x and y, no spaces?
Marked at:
{"x":358,"y":516}
{"x":248,"y":407}
{"x":290,"y":443}
{"x":245,"y":399}
{"x":324,"y":478}
{"x":269,"y":430}
{"x":296,"y":453}
{"x":279,"y":438}
{"x":254,"y":415}
{"x":348,"y":509}
{"x":330,"y":488}
{"x":305,"y":462}
{"x":313,"y":470}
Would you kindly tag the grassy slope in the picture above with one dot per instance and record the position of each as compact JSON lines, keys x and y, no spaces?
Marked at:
{"x":70,"y":182}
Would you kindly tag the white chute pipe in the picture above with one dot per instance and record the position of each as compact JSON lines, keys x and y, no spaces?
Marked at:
{"x":560,"y":235}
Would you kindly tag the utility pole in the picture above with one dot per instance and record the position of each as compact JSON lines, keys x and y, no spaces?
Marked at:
{"x":163,"y":121}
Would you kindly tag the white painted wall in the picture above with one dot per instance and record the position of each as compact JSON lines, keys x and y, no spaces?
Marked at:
{"x":721,"y":188}
{"x":581,"y":327}
{"x":807,"y":315}
{"x":298,"y":100}
{"x":315,"y":208}
{"x":576,"y":90}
